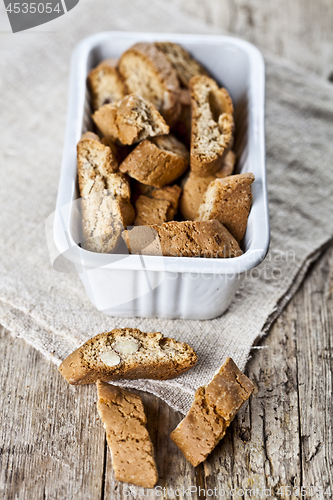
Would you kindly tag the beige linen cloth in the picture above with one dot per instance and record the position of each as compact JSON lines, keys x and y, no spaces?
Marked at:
{"x":51,"y":310}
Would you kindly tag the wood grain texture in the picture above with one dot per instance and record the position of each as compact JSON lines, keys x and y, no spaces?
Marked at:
{"x":314,"y":309}
{"x":48,"y":449}
{"x":299,"y":30}
{"x":262,"y":449}
{"x":53,"y":443}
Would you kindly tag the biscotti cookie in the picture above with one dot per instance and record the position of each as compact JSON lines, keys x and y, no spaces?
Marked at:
{"x":182,"y":61}
{"x":229,"y":201}
{"x":124,"y":420}
{"x":151,"y":211}
{"x":168,"y":193}
{"x":195,"y":187}
{"x":104,"y":219}
{"x":148,"y":72}
{"x":213,"y":409}
{"x":105,"y":204}
{"x":95,"y":162}
{"x":116,"y":186}
{"x":157,"y":162}
{"x":212,"y":125}
{"x":127,"y":353}
{"x":130,"y":120}
{"x":105,"y":84}
{"x":183,"y":239}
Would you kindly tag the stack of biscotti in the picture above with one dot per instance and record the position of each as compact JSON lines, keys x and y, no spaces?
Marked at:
{"x":163,"y":158}
{"x":128,"y":353}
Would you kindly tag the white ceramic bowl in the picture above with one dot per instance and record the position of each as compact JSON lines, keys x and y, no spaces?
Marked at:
{"x":156,"y":286}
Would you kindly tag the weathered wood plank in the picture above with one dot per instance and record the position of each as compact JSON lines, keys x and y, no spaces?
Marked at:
{"x":51,"y":445}
{"x":301,"y":30}
{"x":314,"y":328}
{"x":262,"y":449}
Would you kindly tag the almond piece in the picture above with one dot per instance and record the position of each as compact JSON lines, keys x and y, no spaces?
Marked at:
{"x":126,"y":347}
{"x":110,"y":358}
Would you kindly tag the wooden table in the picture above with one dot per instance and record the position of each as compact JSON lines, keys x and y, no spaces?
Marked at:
{"x":53,"y":444}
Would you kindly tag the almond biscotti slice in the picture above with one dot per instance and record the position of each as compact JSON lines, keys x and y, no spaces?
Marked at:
{"x":229,"y":201}
{"x":151,"y":211}
{"x":130,"y":120}
{"x":118,"y":185}
{"x":124,"y":419}
{"x":157,"y":162}
{"x":212,"y":125}
{"x":184,"y":64}
{"x":182,"y":239}
{"x":97,"y":168}
{"x":194,"y":187}
{"x":213,"y":409}
{"x":95,"y":163}
{"x":170,"y":194}
{"x":105,"y":84}
{"x":148,"y":72}
{"x":127,"y":353}
{"x":104,"y":219}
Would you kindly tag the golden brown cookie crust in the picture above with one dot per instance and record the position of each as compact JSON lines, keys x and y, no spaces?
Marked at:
{"x":146,"y":70}
{"x":200,"y":431}
{"x":212,"y":125}
{"x":229,"y":201}
{"x":106,"y":84}
{"x":194,"y":187}
{"x":184,"y":64}
{"x":95,"y":162}
{"x":213,"y":409}
{"x":130,"y":120}
{"x":183,"y":239}
{"x":124,"y":419}
{"x":151,"y":211}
